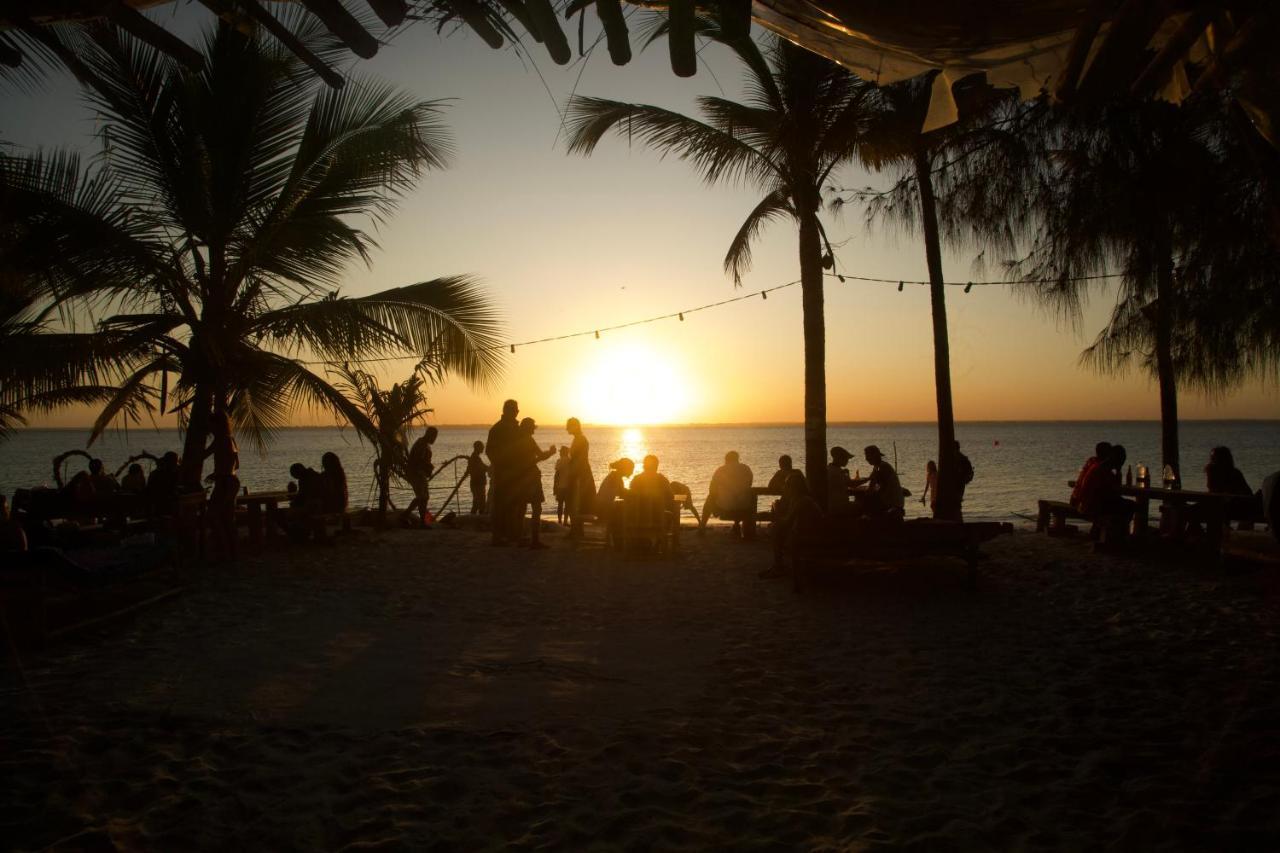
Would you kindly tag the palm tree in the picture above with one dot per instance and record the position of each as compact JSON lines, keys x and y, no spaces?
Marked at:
{"x":387,"y":417}
{"x":934,"y":173}
{"x":802,"y":118}
{"x":1163,"y":196}
{"x":223,"y":218}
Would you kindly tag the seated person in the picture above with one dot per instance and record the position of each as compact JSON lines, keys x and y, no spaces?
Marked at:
{"x":1100,"y":452}
{"x":838,"y":481}
{"x":613,"y":487}
{"x":306,"y":505}
{"x":651,"y":495}
{"x":1100,"y":497}
{"x":135,"y":481}
{"x":1223,"y":477}
{"x":799,"y":528}
{"x":779,"y":479}
{"x":333,"y":481}
{"x":162,"y":485}
{"x":880,"y":494}
{"x":104,"y":485}
{"x":730,"y":497}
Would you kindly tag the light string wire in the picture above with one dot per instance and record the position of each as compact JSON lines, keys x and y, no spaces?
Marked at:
{"x":754,"y":294}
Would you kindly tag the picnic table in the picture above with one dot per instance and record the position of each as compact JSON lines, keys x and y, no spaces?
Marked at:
{"x":258,"y":506}
{"x":1215,"y":518}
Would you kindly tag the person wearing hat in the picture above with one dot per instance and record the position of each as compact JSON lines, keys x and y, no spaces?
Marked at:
{"x":881,"y":492}
{"x":838,"y":481}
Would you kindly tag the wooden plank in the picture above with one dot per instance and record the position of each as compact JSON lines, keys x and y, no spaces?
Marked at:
{"x":225,"y":10}
{"x":343,"y":24}
{"x":144,"y":29}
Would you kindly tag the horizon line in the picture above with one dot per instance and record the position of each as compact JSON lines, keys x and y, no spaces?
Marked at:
{"x":713,"y":424}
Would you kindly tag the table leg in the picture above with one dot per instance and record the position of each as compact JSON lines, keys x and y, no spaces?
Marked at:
{"x":255,"y":524}
{"x":273,"y":520}
{"x":1141,"y":517}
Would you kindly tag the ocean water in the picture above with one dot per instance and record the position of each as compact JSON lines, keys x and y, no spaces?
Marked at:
{"x":1015,"y":463}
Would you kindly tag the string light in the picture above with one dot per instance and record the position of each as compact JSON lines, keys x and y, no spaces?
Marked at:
{"x":764,"y":294}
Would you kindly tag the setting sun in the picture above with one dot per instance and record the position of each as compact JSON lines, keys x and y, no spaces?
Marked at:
{"x":632,"y":384}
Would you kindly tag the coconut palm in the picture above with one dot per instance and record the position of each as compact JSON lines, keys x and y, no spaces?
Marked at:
{"x":935,"y":174}
{"x":232,"y":200}
{"x":801,"y":119}
{"x":387,"y":416}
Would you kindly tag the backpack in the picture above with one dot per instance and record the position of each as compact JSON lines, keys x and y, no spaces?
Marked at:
{"x":966,"y":469}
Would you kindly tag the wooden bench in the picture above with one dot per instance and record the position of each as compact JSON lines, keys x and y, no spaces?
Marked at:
{"x":1053,"y":515}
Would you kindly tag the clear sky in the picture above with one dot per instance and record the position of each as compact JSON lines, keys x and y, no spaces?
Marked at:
{"x":566,"y":244}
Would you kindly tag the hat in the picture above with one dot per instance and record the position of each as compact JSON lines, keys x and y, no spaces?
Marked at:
{"x":840,"y":453}
{"x":872,"y":450}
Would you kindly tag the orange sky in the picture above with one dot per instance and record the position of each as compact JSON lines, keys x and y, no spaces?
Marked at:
{"x":567,"y":244}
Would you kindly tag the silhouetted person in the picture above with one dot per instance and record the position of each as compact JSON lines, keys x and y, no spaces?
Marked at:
{"x":798,"y":528}
{"x":503,"y":508}
{"x":419,"y":467}
{"x":1100,"y":498}
{"x":162,"y":485}
{"x":838,"y":481}
{"x":1223,"y":477}
{"x":525,"y":455}
{"x":779,"y":478}
{"x":221,"y":510}
{"x":104,"y":485}
{"x":1101,"y":453}
{"x":13,"y":538}
{"x":135,"y":480}
{"x":729,"y":496}
{"x":608,"y":507}
{"x":930,"y":493}
{"x":560,"y":485}
{"x":582,"y":484}
{"x":477,"y":476}
{"x":879,"y":496}
{"x":652,"y":497}
{"x":333,"y":482}
{"x":964,"y":470}
{"x":307,"y":503}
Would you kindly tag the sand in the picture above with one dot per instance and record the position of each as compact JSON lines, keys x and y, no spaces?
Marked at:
{"x":422,"y":690}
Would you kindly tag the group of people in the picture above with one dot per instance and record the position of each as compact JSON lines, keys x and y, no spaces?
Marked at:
{"x":314,"y":494}
{"x":1098,"y":489}
{"x":515,"y":481}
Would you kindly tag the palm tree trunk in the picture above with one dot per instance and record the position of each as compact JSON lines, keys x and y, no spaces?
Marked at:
{"x":1164,"y":363}
{"x":197,"y":437}
{"x":947,"y":495}
{"x":815,"y":358}
{"x":384,"y":489}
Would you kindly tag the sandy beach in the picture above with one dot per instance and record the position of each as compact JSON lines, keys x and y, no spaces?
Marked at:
{"x":423,"y":690}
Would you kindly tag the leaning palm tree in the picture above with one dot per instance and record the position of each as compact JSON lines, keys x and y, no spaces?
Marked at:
{"x":233,"y":199}
{"x":802,"y":118}
{"x":387,"y":416}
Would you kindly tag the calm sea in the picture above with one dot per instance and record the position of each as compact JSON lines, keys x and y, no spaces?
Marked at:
{"x":1015,"y":462}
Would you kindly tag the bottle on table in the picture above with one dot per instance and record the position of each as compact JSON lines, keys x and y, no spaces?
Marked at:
{"x":1170,"y":477}
{"x":1144,"y":476}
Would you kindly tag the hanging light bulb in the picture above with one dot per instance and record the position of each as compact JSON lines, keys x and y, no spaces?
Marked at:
{"x":513,"y":349}
{"x":597,"y":334}
{"x":900,"y":284}
{"x":968,"y":287}
{"x":764,"y":294}
{"x":682,"y":317}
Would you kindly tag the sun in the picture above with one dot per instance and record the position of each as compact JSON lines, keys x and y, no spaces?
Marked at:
{"x":632,"y":385}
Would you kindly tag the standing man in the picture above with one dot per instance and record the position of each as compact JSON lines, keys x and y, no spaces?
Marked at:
{"x":502,"y":504}
{"x":964,"y":476}
{"x":419,"y":468}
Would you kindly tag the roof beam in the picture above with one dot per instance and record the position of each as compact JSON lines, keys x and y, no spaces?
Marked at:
{"x":343,"y":24}
{"x":392,"y":12}
{"x":144,"y":29}
{"x":227,"y":10}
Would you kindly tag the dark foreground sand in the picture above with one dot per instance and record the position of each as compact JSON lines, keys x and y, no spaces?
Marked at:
{"x":421,"y":690}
